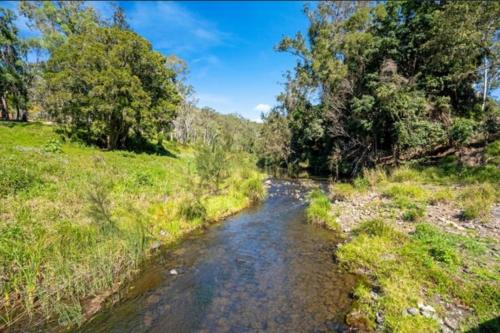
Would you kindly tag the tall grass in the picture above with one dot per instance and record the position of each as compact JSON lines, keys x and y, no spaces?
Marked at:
{"x":77,"y":222}
{"x":319,"y":210}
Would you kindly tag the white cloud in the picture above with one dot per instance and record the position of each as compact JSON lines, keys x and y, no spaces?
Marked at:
{"x":262,"y":108}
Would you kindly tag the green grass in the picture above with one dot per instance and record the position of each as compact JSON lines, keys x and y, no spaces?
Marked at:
{"x":407,"y":195}
{"x":406,"y":269}
{"x":411,"y":269}
{"x":342,"y":191}
{"x":477,"y":200}
{"x":77,"y":221}
{"x":319,"y":210}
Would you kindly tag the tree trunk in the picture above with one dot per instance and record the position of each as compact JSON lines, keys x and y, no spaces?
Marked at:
{"x":485,"y":89}
{"x":18,"y":112}
{"x":3,"y":106}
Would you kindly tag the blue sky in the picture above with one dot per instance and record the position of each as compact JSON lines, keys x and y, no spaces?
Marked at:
{"x":228,"y":46}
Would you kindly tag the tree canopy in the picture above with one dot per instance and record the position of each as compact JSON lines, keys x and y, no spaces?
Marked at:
{"x":109,"y":87}
{"x":387,"y":79}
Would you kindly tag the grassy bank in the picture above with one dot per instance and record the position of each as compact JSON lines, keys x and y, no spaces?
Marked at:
{"x":76,"y":222}
{"x":425,"y":241}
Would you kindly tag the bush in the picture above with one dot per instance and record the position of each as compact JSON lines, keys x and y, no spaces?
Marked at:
{"x":462,"y":130}
{"x":53,"y":146}
{"x":492,"y":153}
{"x":253,"y":189}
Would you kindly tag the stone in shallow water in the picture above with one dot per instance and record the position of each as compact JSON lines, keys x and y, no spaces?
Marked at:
{"x":173,"y":272}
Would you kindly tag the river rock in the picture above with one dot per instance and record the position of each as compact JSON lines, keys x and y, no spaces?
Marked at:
{"x":451,"y":323}
{"x":426,"y":308}
{"x":412,"y":311}
{"x":173,"y":272}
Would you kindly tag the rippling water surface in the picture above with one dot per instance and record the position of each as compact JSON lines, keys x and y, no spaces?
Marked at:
{"x":263,"y":270}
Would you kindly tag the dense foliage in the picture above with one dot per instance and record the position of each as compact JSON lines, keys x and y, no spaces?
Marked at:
{"x":103,"y":83}
{"x":392,"y":79}
{"x":108,"y":86}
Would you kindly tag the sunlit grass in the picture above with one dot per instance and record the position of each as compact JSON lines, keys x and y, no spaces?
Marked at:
{"x":78,"y":221}
{"x":409,"y":268}
{"x":319,"y":210}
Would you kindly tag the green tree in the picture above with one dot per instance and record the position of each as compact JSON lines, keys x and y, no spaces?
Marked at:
{"x":275,"y":138}
{"x":212,"y":164}
{"x":13,"y":69}
{"x":109,"y":87}
{"x":119,"y":20}
{"x":386,"y":80}
{"x":58,"y":20}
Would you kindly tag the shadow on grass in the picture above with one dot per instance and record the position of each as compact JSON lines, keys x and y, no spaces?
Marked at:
{"x":490,"y":326}
{"x":145,"y":147}
{"x":135,"y":145}
{"x":16,"y":123}
{"x":450,"y":169}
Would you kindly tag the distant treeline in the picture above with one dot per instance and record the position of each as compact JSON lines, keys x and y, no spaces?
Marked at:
{"x":385,"y":81}
{"x":206,"y":126}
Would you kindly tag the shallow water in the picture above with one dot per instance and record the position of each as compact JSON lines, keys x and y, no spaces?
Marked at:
{"x":264,"y":269}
